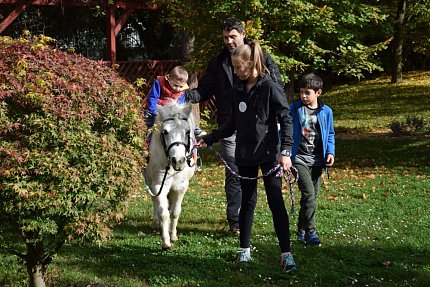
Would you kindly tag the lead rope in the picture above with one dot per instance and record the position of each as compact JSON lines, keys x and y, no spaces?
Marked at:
{"x":291,"y":181}
{"x":280,"y":173}
{"x":162,"y":183}
{"x":244,"y":177}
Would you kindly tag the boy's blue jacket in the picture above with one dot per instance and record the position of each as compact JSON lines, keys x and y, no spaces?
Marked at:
{"x":325,"y":120}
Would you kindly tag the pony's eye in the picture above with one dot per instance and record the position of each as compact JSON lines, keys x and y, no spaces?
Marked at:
{"x":165,"y":132}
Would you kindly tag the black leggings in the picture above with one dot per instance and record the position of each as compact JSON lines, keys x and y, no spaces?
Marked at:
{"x":273,"y":186}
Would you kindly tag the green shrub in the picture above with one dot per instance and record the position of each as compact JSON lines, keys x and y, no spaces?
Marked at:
{"x":71,"y":146}
{"x":206,"y":121}
{"x":412,"y":125}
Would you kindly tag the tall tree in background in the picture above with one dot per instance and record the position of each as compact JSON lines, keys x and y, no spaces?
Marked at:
{"x":398,"y":41}
{"x":335,"y":38}
{"x":411,"y":45}
{"x":331,"y":37}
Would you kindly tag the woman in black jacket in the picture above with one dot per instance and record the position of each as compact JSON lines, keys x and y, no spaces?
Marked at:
{"x":258,"y":106}
{"x":217,"y":82}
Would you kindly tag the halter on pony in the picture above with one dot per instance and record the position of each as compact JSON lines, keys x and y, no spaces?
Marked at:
{"x":186,"y":144}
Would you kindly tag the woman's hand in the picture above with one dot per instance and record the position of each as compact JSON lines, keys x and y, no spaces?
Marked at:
{"x":285,"y":162}
{"x":202,"y":143}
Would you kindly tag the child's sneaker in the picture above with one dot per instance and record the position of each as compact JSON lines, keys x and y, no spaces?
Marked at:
{"x":287,"y":262}
{"x":301,"y":235}
{"x":243,"y":256}
{"x":311,"y":238}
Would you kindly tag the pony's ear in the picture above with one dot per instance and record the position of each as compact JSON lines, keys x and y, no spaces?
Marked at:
{"x":187,"y":109}
{"x":161,"y":111}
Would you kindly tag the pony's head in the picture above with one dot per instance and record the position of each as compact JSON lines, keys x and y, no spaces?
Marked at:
{"x":175,"y":133}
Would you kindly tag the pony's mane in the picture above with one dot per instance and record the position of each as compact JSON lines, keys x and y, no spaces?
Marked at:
{"x":173,"y":109}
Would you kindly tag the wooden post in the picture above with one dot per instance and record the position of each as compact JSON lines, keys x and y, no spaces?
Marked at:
{"x":111,"y":41}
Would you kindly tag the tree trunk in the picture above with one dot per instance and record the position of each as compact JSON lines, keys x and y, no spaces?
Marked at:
{"x":36,"y":265}
{"x":193,"y":79}
{"x":289,"y":90}
{"x":398,"y":42}
{"x":289,"y":87}
{"x":36,"y":275}
{"x":193,"y":83}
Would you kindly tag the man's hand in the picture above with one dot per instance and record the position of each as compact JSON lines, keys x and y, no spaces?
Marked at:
{"x":202,"y":143}
{"x":285,"y":162}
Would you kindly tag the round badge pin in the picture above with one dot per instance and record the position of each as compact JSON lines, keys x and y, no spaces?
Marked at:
{"x":242,"y":107}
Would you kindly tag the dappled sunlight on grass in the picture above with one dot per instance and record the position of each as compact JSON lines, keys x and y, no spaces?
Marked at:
{"x":372,"y":105}
{"x":372,"y":218}
{"x":404,"y":152}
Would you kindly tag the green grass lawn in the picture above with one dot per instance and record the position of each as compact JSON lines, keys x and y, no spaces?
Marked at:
{"x":373,"y":105}
{"x":373,"y":216}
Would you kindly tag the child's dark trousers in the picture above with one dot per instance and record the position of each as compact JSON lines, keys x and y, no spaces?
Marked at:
{"x":309,"y":185}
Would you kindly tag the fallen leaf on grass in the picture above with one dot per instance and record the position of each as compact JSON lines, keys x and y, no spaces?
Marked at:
{"x":386,"y":263}
{"x":332,"y":197}
{"x":372,"y":176}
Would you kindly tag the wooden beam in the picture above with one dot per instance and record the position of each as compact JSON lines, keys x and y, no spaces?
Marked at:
{"x":136,"y":5}
{"x":122,"y":20}
{"x":15,"y":13}
{"x":58,"y":2}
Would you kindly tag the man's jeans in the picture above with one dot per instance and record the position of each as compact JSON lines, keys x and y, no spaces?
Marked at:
{"x":232,"y":183}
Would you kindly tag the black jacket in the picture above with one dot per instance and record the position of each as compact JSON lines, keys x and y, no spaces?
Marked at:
{"x":255,"y":117}
{"x":218,"y":81}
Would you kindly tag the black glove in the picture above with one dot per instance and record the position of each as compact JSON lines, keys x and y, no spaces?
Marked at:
{"x":149,"y":119}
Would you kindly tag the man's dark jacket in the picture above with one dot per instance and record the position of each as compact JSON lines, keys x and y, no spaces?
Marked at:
{"x":219,"y":80}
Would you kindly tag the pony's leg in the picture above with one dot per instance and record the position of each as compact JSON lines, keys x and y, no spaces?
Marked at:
{"x":175,"y":211}
{"x":164,"y":217}
{"x":155,"y":219}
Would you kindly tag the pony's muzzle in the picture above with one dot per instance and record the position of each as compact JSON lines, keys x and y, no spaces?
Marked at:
{"x":178,"y":163}
{"x":176,"y":154}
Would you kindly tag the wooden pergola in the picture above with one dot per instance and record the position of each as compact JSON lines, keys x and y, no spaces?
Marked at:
{"x":131,"y":70}
{"x":114,"y":25}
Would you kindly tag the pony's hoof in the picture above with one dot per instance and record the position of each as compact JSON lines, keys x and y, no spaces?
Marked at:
{"x":166,"y":248}
{"x":155,"y":226}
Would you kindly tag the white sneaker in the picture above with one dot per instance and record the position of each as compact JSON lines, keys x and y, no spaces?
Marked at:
{"x":243,"y":256}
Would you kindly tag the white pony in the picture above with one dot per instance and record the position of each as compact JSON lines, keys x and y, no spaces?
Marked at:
{"x":170,"y":167}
